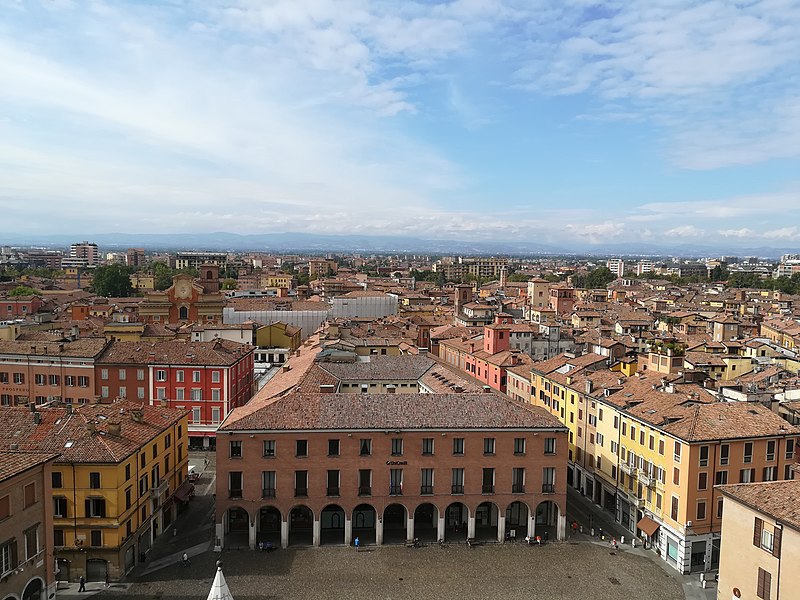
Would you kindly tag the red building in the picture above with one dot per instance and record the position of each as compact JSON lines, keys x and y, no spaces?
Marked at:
{"x":562,"y":299}
{"x":19,"y":306}
{"x":207,"y":378}
{"x":186,"y":301}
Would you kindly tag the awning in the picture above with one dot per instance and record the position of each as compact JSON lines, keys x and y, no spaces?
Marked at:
{"x":647,"y":525}
{"x":184,"y":491}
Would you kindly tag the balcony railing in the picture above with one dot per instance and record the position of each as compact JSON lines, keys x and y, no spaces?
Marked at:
{"x":332,"y":490}
{"x":160,"y":489}
{"x":628,"y":468}
{"x":268,"y":493}
{"x":300,"y":492}
{"x":364,"y":490}
{"x":487,"y":489}
{"x":234,"y":493}
{"x":395,"y":490}
{"x":518,"y":488}
{"x":426,"y":490}
{"x":647,"y":480}
{"x":457,"y":489}
{"x":548,"y":488}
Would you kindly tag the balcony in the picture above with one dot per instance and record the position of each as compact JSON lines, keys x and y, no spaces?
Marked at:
{"x":161,"y":489}
{"x":235,"y":494}
{"x":332,"y":490}
{"x":395,"y":490}
{"x":364,"y":490}
{"x":487,"y":489}
{"x":426,"y":490}
{"x":647,"y":480}
{"x":457,"y":489}
{"x":629,"y":469}
{"x":300,"y":492}
{"x":268,"y":493}
{"x":518,"y":488}
{"x":548,"y":488}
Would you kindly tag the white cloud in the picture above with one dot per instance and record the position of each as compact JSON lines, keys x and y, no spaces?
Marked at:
{"x":596,"y":233}
{"x":784,"y":233}
{"x":685,"y":231}
{"x":744,"y":232}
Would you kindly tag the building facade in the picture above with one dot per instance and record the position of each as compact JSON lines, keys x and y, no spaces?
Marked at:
{"x":312,"y":469}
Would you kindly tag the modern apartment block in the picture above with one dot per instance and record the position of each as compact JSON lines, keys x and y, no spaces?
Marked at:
{"x":193,"y":260}
{"x":311,"y":469}
{"x":650,"y":452}
{"x":27,"y":566}
{"x":115,"y":486}
{"x":86,"y":252}
{"x":208,"y":379}
{"x":763,"y":523}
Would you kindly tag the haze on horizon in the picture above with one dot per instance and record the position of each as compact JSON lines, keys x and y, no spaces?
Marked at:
{"x":634,"y":121}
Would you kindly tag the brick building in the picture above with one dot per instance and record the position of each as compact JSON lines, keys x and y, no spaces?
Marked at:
{"x":20,"y":306}
{"x":26,"y":525}
{"x":185,"y":301}
{"x":324,"y":468}
{"x":208,"y":379}
{"x":43,"y":372}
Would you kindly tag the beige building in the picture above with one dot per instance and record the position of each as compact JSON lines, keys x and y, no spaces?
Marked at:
{"x":761,"y":526}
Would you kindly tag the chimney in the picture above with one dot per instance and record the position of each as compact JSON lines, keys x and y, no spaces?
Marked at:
{"x":162,"y":402}
{"x":37,"y":418}
{"x":589,"y":386}
{"x":287,"y":368}
{"x":422,"y":350}
{"x":114,"y":428}
{"x":13,"y":447}
{"x":326,"y":388}
{"x":390,"y":389}
{"x":69,"y":409}
{"x":91,"y":426}
{"x":137,"y":414}
{"x":487,"y":389}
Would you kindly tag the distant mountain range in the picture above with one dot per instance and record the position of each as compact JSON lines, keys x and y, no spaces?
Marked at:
{"x":315,"y":243}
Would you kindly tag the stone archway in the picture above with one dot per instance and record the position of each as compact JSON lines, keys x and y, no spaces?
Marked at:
{"x":301,"y":526}
{"x":237,"y":528}
{"x":486,"y":521}
{"x":456,"y":520}
{"x":426,"y":522}
{"x":517,"y":515}
{"x":269,"y":526}
{"x":34,"y":590}
{"x":547,"y":518}
{"x":364,"y":518}
{"x":331,"y":522}
{"x":395,"y":524}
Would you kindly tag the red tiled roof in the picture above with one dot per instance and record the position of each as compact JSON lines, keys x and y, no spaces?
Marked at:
{"x":14,"y":463}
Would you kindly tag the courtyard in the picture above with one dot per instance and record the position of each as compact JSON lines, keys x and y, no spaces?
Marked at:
{"x":563,"y":571}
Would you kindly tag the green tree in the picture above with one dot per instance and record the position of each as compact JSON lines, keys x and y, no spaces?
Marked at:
{"x":23,"y":290}
{"x":599,"y":278}
{"x":719,"y":273}
{"x":112,"y":280}
{"x":229,"y":284}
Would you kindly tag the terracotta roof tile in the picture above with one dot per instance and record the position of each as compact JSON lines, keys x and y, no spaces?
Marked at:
{"x":778,"y":499}
{"x":14,"y":463}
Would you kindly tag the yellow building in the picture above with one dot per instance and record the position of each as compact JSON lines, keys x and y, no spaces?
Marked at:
{"x":278,"y":335}
{"x":143,"y":281}
{"x":763,"y":519}
{"x":116,"y":486}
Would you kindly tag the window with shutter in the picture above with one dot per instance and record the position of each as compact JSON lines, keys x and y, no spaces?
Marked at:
{"x":759,"y":525}
{"x":776,"y":542}
{"x":764,"y":584}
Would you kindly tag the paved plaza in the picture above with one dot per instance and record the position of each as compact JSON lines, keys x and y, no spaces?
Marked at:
{"x":563,"y":571}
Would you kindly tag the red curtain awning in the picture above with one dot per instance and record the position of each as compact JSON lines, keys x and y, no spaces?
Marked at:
{"x":647,"y":525}
{"x":184,"y":491}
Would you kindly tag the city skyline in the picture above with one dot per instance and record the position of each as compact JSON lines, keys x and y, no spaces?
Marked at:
{"x":571,"y":124}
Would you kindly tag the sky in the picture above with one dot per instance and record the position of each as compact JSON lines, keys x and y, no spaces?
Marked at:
{"x":562,"y":121}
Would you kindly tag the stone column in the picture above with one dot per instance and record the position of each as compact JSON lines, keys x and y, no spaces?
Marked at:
{"x":379,"y":531}
{"x":562,"y":527}
{"x":531,"y":525}
{"x":501,"y":528}
{"x":348,"y":531}
{"x":471,"y":527}
{"x":316,"y":529}
{"x":220,"y":537}
{"x":440,"y":528}
{"x":252,"y":536}
{"x":284,"y":534}
{"x":410,"y":526}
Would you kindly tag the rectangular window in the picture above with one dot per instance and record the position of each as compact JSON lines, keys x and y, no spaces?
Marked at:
{"x":54,"y":380}
{"x":332,"y":483}
{"x":195,"y":414}
{"x":236,"y":449}
{"x":724,"y":454}
{"x":548,"y":480}
{"x":397,"y":446}
{"x":426,"y":482}
{"x":269,"y":448}
{"x":195,"y":376}
{"x":519,"y":446}
{"x":31,"y":536}
{"x":747,"y":476}
{"x":703,"y":456}
{"x":767,"y":540}
{"x":103,"y":374}
{"x":702,"y":481}
{"x":268,"y":484}
{"x":94,"y":480}
{"x":96,"y":538}
{"x":96,"y":507}
{"x":179,"y":394}
{"x":104,"y":391}
{"x":488,"y":445}
{"x":770,"y":474}
{"x":365,"y":447}
{"x":235,"y":484}
{"x":8,"y":557}
{"x":674,"y":509}
{"x":677,"y":456}
{"x":161,"y":375}
{"x":771,"y":450}
{"x":333,"y":447}
{"x":197,"y":394}
{"x":701,"y":510}
{"x":122,"y":374}
{"x":458,"y":446}
{"x":661,"y":447}
{"x":139,"y":374}
{"x":140,"y":393}
{"x":427,"y":446}
{"x":19,"y":378}
{"x":676,"y":476}
{"x":179,"y":376}
{"x":457,"y":481}
{"x":215,"y":415}
{"x":60,"y":507}
{"x":57,"y":480}
{"x":301,"y":448}
{"x":300,"y":484}
{"x":364,"y":482}
{"x":215,"y":395}
{"x":58,"y":537}
{"x":789,"y":449}
{"x":518,"y":480}
{"x":487,"y":486}
{"x":748,"y":452}
{"x":396,"y":482}
{"x":214,"y":376}
{"x":764,"y":584}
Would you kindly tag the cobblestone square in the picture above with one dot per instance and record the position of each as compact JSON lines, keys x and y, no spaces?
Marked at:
{"x":563,"y":571}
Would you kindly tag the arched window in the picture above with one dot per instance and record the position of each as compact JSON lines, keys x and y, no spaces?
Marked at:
{"x":183,"y":313}
{"x":209,"y":275}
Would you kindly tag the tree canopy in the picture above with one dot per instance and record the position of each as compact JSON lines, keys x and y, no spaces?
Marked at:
{"x":23,"y":290}
{"x":112,"y":280}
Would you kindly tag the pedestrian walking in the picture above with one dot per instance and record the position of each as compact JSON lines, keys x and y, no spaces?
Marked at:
{"x":574,"y":528}
{"x":107,"y":581}
{"x":82,"y":581}
{"x":357,"y":543}
{"x":185,"y":559}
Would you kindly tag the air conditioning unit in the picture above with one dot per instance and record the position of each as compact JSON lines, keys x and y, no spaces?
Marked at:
{"x":688,"y":523}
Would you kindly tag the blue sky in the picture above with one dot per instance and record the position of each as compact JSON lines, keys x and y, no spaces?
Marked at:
{"x":561,"y":122}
